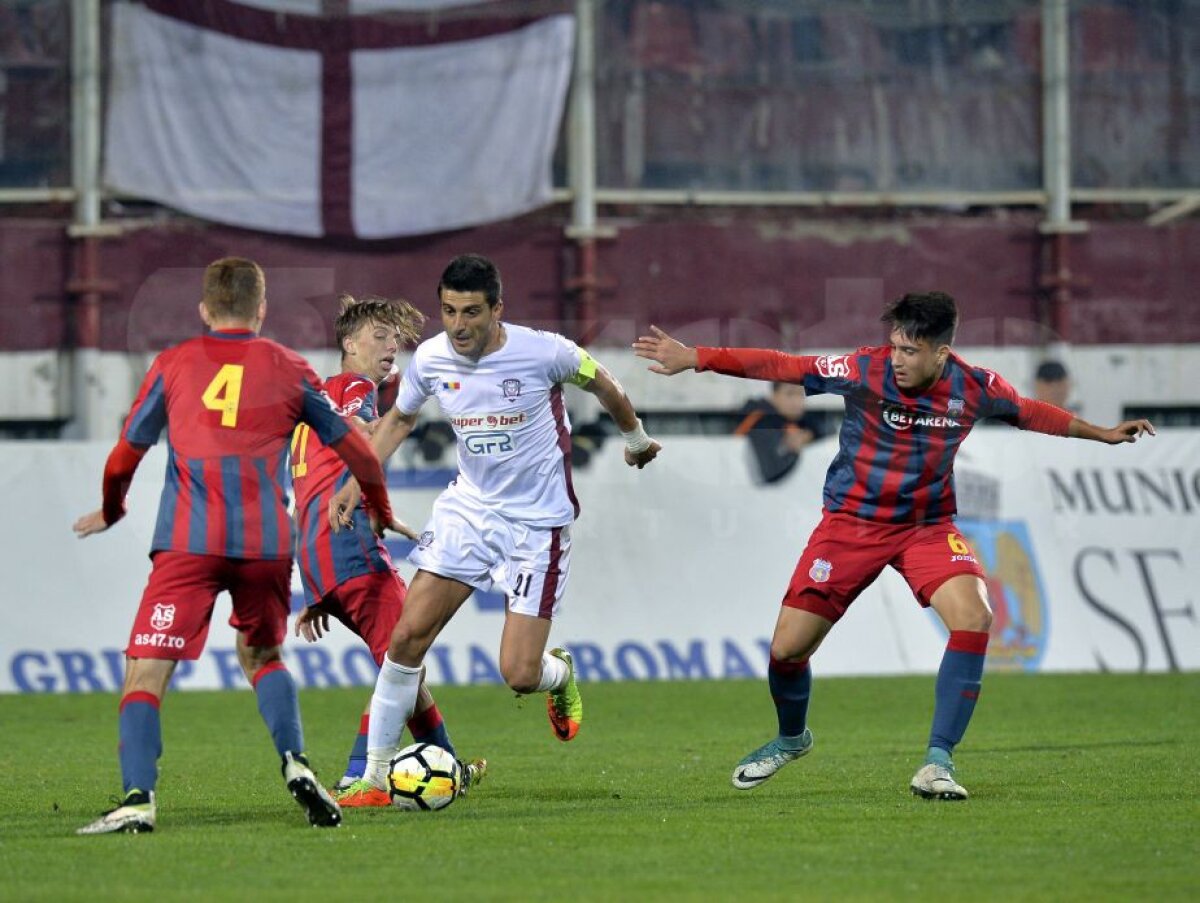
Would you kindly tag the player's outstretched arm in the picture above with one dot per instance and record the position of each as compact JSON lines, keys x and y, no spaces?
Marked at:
{"x":1042,"y":417}
{"x":670,"y":356}
{"x":358,"y":455}
{"x":1125,"y":431}
{"x":640,"y":449}
{"x":390,"y":431}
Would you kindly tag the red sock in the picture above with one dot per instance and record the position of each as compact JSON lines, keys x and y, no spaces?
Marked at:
{"x":421,"y":724}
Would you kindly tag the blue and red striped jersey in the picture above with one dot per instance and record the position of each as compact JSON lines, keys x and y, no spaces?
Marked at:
{"x":229,"y":401}
{"x":895,"y":462}
{"x":328,"y":559}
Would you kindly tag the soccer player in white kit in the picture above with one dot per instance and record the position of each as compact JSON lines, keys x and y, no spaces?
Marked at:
{"x":504,"y":524}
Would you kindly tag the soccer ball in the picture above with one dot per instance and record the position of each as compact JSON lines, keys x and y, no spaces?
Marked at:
{"x":423,"y":777}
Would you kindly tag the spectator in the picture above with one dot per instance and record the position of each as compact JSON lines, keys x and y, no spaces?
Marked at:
{"x":1052,"y":384}
{"x":779,"y":429}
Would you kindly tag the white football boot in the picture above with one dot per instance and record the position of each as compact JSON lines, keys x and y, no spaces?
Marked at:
{"x":936,"y":782}
{"x":135,"y":815}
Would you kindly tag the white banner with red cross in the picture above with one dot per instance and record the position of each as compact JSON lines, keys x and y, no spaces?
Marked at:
{"x":372,"y":121}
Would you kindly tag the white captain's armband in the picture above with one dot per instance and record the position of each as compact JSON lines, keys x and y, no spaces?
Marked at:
{"x":586,"y":372}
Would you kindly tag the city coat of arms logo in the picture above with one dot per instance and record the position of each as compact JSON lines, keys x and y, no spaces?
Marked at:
{"x":1021,"y":617}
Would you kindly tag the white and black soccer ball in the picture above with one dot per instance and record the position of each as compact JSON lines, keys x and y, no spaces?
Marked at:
{"x":423,"y":777}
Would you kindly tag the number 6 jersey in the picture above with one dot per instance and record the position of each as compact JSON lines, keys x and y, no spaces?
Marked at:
{"x":514,"y":436}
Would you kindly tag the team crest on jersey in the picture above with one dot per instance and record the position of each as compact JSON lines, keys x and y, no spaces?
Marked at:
{"x":426,"y":540}
{"x":511,"y":389}
{"x":954,"y":407}
{"x":831,"y":365}
{"x":163,"y":616}
{"x":820,"y":570}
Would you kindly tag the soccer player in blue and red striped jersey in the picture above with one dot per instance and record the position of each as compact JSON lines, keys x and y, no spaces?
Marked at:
{"x":889,"y":500}
{"x":229,"y":401}
{"x":350,"y":574}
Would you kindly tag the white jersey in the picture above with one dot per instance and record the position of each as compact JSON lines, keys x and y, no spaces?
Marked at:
{"x":514,"y":437}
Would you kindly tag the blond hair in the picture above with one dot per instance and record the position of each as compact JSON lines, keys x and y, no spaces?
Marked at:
{"x":396,"y":313}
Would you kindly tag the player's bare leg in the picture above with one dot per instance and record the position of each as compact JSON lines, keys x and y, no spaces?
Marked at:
{"x":521,"y":647}
{"x":146,"y":681}
{"x":527,"y":667}
{"x":431,"y":603}
{"x":962,"y":604}
{"x":798,"y":634}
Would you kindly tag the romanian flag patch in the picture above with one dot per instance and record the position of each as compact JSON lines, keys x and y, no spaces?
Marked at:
{"x":452,"y":387}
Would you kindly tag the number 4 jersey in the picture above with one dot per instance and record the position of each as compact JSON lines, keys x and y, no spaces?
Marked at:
{"x":229,"y":402}
{"x":514,"y":437}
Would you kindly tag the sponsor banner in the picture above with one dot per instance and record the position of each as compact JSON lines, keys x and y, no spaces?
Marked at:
{"x":677,"y":571}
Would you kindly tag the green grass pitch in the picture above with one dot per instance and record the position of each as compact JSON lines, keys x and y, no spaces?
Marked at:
{"x":1083,"y":788}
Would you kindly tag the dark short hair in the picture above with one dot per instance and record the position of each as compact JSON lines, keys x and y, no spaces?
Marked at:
{"x":398,"y":314}
{"x":924,"y":315}
{"x":1050,"y":372}
{"x":472,"y":273}
{"x":234,"y":287}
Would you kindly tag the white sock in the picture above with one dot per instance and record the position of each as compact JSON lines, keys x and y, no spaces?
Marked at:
{"x":392,"y":705}
{"x":554,"y":673}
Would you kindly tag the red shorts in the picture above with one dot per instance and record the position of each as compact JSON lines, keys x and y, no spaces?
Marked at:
{"x":845,"y":554}
{"x":177,"y":606}
{"x":369,"y":605}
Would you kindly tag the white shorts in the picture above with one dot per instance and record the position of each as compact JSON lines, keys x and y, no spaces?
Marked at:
{"x":476,"y":546}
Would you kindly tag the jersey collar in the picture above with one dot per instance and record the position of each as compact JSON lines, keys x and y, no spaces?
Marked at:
{"x":234,"y":334}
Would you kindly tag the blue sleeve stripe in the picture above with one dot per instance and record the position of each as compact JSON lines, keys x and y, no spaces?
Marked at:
{"x":369,"y":411}
{"x":994,"y":405}
{"x":318,"y":413}
{"x":147,"y":421}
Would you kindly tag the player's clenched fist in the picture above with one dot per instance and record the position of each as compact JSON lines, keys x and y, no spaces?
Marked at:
{"x":645,"y":456}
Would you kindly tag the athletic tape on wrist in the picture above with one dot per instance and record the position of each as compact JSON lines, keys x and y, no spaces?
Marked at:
{"x":637,"y":439}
